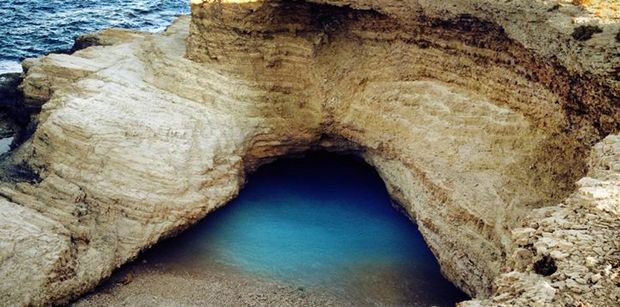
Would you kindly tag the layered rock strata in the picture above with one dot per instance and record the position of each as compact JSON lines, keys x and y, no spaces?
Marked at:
{"x":480,"y":116}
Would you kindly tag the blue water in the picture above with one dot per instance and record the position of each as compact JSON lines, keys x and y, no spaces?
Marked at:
{"x":31,"y":28}
{"x":326,"y":222}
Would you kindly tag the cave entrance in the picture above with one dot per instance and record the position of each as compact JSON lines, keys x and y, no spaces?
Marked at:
{"x":322,"y":228}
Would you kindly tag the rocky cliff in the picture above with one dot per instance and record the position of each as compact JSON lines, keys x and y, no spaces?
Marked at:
{"x":493,"y":124}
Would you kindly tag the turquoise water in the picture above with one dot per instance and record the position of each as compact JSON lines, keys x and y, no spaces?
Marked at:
{"x":323,"y":222}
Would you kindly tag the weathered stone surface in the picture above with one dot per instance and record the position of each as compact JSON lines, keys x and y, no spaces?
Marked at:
{"x":582,"y":235}
{"x":33,"y":250}
{"x":478,"y":118}
{"x":107,"y":37}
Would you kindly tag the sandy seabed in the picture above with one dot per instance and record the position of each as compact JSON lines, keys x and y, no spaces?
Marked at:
{"x":143,"y":284}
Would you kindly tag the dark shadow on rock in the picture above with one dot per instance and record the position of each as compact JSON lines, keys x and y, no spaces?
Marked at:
{"x":9,"y":92}
{"x":545,"y":266}
{"x":17,"y":116}
{"x":584,"y":33}
{"x":15,"y":121}
{"x":14,"y":173}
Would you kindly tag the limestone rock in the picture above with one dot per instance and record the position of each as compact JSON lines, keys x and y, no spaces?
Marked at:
{"x":34,"y":250}
{"x":478,"y":115}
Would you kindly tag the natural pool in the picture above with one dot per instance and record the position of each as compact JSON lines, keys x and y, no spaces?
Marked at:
{"x":324,"y":222}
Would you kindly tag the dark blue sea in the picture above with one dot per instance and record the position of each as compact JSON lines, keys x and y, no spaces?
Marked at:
{"x":31,"y":28}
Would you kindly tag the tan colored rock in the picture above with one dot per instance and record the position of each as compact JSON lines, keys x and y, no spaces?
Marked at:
{"x":34,"y":250}
{"x":478,"y":115}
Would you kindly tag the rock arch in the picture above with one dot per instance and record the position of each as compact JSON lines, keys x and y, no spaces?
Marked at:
{"x":479,"y":120}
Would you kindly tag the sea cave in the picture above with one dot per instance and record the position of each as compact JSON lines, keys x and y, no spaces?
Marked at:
{"x":488,"y":131}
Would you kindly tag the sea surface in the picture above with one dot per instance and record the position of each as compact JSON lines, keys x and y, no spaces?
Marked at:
{"x":323,"y":222}
{"x":31,"y":28}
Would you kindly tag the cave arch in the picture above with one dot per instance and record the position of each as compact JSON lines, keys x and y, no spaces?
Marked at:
{"x":479,"y":122}
{"x":510,"y":130}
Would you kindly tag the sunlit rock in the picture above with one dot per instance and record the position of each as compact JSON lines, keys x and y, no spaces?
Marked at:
{"x":480,"y":116}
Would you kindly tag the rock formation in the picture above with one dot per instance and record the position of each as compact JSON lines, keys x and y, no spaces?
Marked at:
{"x":493,"y":123}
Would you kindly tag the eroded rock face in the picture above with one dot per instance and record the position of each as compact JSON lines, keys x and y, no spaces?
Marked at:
{"x":478,"y":118}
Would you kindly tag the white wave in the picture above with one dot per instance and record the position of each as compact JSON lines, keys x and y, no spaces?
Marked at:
{"x":9,"y":66}
{"x":5,"y":144}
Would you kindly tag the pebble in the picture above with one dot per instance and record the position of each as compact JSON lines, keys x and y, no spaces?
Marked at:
{"x":591,"y":262}
{"x":558,"y":255}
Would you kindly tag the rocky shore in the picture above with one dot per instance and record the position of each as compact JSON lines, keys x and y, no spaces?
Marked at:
{"x":493,"y":123}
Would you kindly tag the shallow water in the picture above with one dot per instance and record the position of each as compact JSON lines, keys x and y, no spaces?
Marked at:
{"x":31,"y":28}
{"x":323,"y":222}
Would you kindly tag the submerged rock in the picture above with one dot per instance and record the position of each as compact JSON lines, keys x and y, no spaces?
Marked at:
{"x":478,"y":115}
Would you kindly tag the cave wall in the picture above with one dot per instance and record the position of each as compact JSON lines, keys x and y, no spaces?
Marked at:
{"x":469,"y":128}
